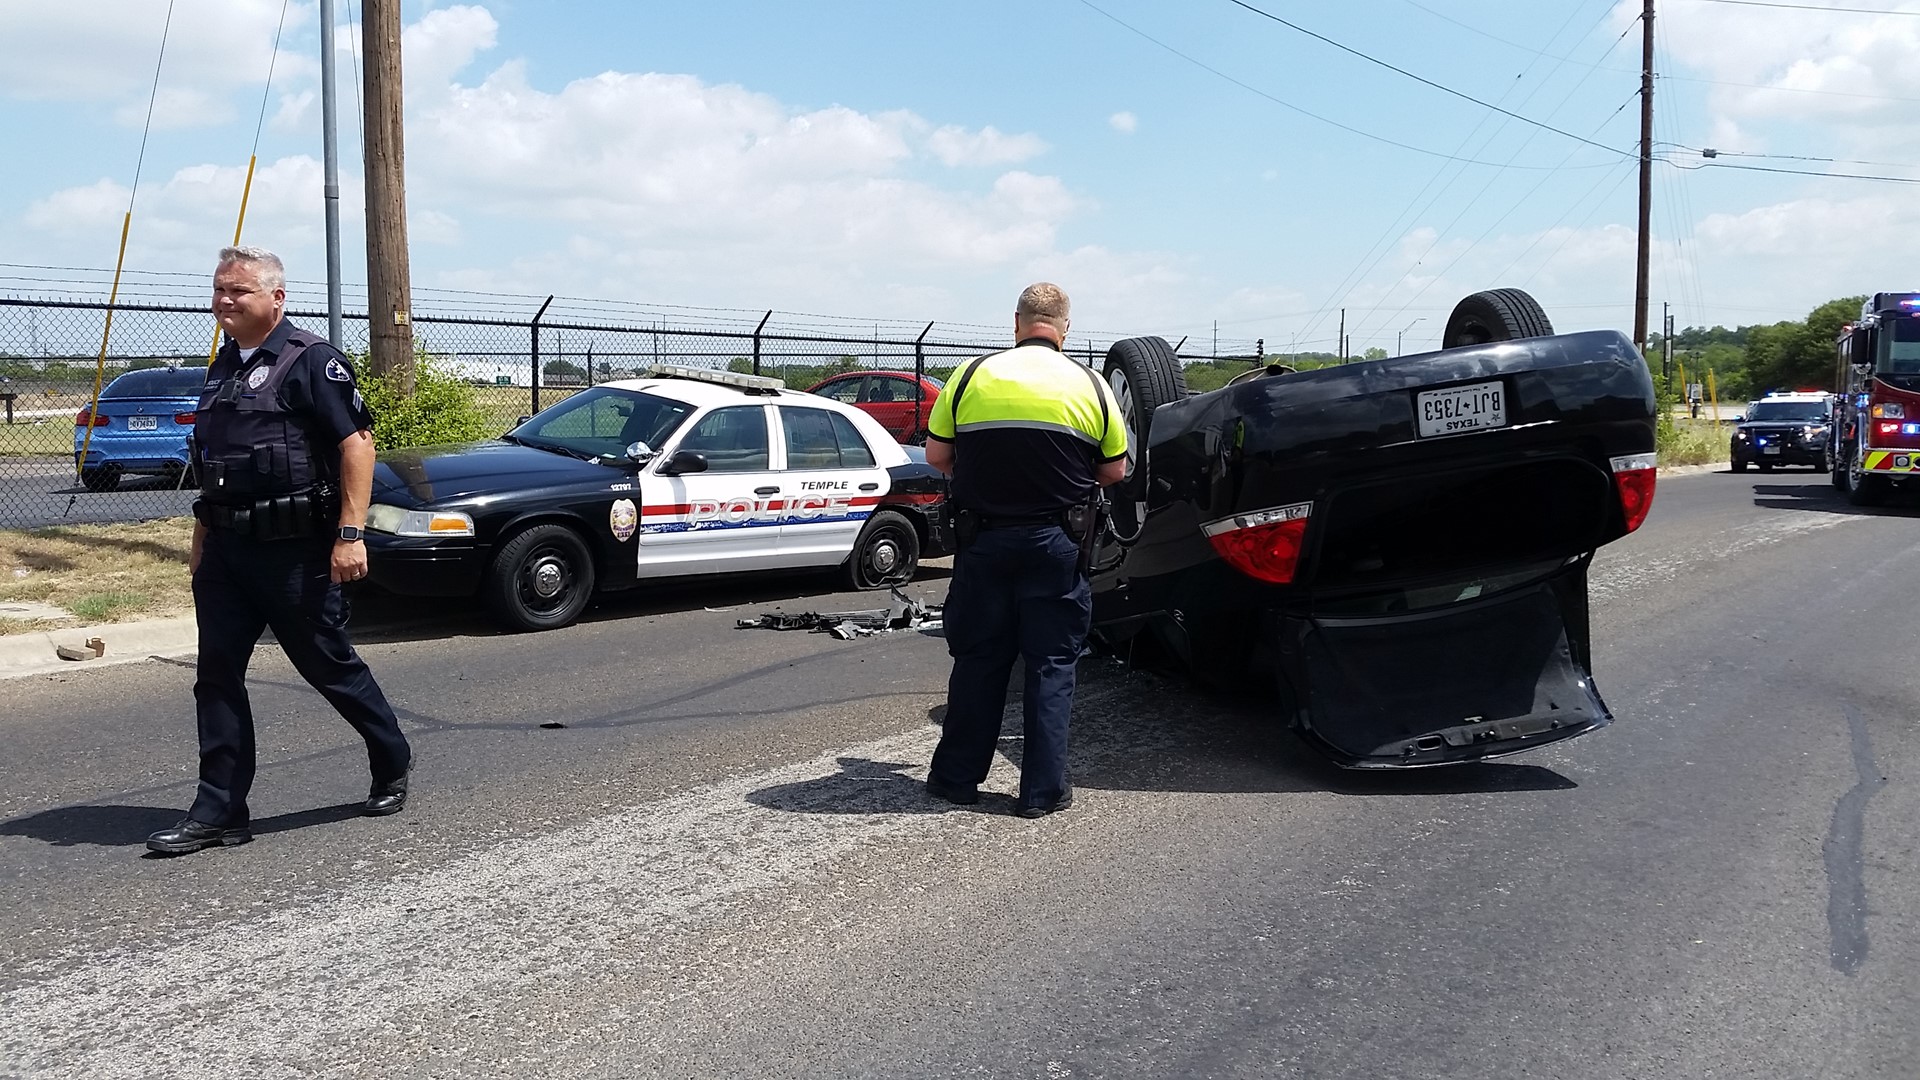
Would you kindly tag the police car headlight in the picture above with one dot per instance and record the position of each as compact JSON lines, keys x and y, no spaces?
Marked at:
{"x":1738,"y":435}
{"x":399,"y":522}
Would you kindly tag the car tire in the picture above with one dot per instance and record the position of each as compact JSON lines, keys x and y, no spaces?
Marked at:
{"x":1739,"y":466}
{"x":541,"y":579}
{"x":887,"y":554}
{"x":1495,"y":315}
{"x":1863,"y":490}
{"x":1144,"y":373}
{"x":100,"y":478}
{"x":1838,"y":476}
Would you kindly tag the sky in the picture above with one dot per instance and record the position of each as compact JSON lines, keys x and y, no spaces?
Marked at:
{"x":1188,"y":169}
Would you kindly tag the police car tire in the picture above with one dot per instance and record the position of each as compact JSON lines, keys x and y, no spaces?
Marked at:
{"x":515,"y":592}
{"x":100,"y":478}
{"x":1495,"y":315}
{"x":888,"y":537}
{"x":1739,"y":466}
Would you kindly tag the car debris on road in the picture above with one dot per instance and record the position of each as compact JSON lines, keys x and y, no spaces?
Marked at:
{"x":905,"y":613}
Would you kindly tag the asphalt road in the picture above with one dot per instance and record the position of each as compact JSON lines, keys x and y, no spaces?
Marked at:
{"x":43,"y":491}
{"x":722,"y":864}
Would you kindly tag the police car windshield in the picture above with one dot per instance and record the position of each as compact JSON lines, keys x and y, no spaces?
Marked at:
{"x":602,"y":422}
{"x":158,"y":382}
{"x":1788,"y":410}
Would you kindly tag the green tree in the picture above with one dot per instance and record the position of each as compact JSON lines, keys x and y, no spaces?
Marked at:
{"x":563,"y":371}
{"x":442,"y":409}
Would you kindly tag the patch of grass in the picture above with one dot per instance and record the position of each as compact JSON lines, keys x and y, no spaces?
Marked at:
{"x":105,"y":607}
{"x":50,"y":436}
{"x":1691,"y":442}
{"x":101,"y":573}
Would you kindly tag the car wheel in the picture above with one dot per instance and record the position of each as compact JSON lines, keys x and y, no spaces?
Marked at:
{"x":1863,"y":489}
{"x":100,"y":478}
{"x":541,"y":579}
{"x":1739,"y":466}
{"x":887,"y":553}
{"x":1144,"y":374}
{"x":1495,"y":315}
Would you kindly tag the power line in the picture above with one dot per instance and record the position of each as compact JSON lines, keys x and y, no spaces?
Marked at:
{"x":1796,"y":172}
{"x":1204,"y":66}
{"x":1810,"y":7}
{"x":1710,"y":152}
{"x":1423,"y":80}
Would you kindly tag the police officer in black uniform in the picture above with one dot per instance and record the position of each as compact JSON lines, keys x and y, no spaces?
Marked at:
{"x":1029,"y":437}
{"x":284,"y":452}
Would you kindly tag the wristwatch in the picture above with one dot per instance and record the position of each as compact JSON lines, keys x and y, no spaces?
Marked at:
{"x":350,"y":533}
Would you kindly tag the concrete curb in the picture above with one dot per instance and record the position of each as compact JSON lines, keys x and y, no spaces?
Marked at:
{"x":23,"y":655}
{"x":1693,"y":470}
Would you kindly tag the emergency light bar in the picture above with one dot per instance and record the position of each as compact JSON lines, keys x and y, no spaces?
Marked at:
{"x":753,"y":384}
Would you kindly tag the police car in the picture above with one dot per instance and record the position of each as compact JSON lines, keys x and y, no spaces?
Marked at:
{"x":1783,"y":429}
{"x":685,"y":472}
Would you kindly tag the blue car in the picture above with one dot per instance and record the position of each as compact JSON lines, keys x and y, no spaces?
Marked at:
{"x":141,"y":426}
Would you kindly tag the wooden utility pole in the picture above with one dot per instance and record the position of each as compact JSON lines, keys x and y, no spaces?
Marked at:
{"x":1646,"y":179}
{"x":389,"y":285}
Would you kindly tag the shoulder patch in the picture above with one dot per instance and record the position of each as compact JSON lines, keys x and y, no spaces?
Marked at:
{"x":339,"y":372}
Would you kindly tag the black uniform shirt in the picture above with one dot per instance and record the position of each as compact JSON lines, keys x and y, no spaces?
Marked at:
{"x":320,"y":392}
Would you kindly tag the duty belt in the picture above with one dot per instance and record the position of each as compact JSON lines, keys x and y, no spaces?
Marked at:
{"x":282,"y":517}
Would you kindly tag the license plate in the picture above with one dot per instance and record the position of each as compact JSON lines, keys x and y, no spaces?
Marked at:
{"x":141,"y":423}
{"x":1769,"y":449}
{"x":1461,"y":409}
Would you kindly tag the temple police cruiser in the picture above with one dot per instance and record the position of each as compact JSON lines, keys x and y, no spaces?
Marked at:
{"x":285,"y":458}
{"x":1029,"y":437}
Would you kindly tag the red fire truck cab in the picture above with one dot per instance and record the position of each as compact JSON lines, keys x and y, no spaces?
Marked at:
{"x":1876,"y":421}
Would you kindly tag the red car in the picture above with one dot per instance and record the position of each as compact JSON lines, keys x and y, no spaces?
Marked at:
{"x":890,"y":397}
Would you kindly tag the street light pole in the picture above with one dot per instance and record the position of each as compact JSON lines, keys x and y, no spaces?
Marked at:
{"x":1397,"y":338}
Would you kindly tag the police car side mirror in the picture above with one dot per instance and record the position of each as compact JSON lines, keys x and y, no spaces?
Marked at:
{"x":685,"y":461}
{"x":640,"y":453}
{"x":1739,"y":418}
{"x":522,"y":420}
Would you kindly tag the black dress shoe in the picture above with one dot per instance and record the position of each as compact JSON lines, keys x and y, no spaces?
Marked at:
{"x":1039,"y":810}
{"x":956,"y":794}
{"x":190,"y":836}
{"x":387,"y":798}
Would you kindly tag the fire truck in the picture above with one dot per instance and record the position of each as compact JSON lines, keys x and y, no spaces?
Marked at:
{"x":1876,"y":422}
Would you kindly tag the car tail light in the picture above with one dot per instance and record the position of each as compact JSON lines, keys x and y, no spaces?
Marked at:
{"x":87,"y":418}
{"x":184,"y":419}
{"x":1263,"y":544}
{"x":1634,"y":476}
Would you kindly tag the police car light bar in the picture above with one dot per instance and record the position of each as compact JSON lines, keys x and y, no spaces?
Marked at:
{"x":762,"y":384}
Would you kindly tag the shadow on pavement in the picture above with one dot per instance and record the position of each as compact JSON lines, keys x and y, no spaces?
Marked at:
{"x":1826,"y":499}
{"x":1180,"y":739}
{"x":127,"y":826}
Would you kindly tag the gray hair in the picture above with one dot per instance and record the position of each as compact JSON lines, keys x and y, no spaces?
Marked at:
{"x":1043,"y":302}
{"x":272,"y":273}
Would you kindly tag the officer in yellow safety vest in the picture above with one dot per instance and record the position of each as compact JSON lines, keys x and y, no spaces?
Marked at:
{"x":1029,"y":436}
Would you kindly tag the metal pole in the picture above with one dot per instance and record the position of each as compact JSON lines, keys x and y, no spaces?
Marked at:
{"x":534,"y":327}
{"x":330,"y":139}
{"x":1340,"y":343}
{"x":920,"y":376}
{"x":756,"y":339}
{"x":1646,"y":180}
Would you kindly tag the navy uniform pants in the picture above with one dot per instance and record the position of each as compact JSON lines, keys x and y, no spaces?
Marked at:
{"x":242,"y":587}
{"x":1017,"y":592}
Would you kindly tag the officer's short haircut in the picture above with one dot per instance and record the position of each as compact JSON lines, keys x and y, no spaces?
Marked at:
{"x":272,"y":273}
{"x":1045,"y":302}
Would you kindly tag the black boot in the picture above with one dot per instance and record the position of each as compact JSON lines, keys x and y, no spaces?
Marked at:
{"x":190,"y":836}
{"x":387,"y":798}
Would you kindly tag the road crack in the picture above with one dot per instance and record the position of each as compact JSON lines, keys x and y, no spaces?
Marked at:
{"x":1844,"y":855}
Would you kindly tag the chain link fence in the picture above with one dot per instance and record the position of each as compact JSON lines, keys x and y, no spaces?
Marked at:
{"x":137,"y":405}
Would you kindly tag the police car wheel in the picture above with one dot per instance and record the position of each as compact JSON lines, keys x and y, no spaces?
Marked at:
{"x":100,"y":478}
{"x":887,"y":554}
{"x":541,"y":579}
{"x":1739,"y":466}
{"x":1495,"y":315}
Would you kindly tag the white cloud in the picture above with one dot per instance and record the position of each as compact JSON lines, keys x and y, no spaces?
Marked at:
{"x":1123,"y":122}
{"x":105,"y":50}
{"x":954,"y":145}
{"x":443,"y":42}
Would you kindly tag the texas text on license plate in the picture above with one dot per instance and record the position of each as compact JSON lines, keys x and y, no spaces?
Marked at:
{"x":141,"y":423}
{"x":1460,"y":409}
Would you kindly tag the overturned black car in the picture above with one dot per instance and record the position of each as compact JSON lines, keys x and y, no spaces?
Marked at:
{"x":1399,"y":546}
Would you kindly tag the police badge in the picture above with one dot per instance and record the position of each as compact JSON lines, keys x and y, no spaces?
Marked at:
{"x":624,"y":518}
